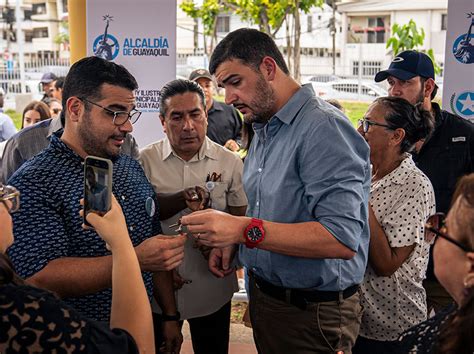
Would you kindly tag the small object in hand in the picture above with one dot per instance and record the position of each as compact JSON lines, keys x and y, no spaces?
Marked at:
{"x":178,"y":227}
{"x":194,"y":196}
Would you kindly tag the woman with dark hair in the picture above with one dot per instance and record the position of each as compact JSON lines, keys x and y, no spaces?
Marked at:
{"x":35,"y":112}
{"x":401,"y":200}
{"x":451,"y":330}
{"x":36,"y":321}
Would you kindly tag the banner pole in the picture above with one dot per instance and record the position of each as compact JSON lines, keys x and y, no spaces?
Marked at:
{"x":77,"y":29}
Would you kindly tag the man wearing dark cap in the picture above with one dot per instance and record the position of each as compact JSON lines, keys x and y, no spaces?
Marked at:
{"x":224,"y":122}
{"x":47,"y":84}
{"x":444,"y":157}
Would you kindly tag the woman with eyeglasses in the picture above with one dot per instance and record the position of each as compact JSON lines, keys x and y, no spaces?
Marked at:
{"x":401,"y":199}
{"x":451,"y":330}
{"x":36,"y":321}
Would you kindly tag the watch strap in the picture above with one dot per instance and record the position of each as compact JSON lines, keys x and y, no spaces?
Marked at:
{"x":168,"y":318}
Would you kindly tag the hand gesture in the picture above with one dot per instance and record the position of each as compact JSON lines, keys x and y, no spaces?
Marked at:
{"x":161,"y":252}
{"x":111,"y":227}
{"x":220,"y":260}
{"x":197,"y":198}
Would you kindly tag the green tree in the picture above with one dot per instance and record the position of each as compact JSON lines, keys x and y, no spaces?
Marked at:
{"x":207,"y":13}
{"x":63,"y":36}
{"x":268,"y":15}
{"x":407,"y":37}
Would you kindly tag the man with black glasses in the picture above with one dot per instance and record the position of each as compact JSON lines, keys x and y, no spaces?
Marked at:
{"x":52,"y":251}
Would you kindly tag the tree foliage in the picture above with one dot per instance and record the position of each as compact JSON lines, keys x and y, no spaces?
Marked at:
{"x":268,"y":15}
{"x":407,"y":37}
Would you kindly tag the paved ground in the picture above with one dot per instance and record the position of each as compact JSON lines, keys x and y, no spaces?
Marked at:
{"x":241,"y":340}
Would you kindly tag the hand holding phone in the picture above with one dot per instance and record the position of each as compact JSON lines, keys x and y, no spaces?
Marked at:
{"x":97,"y":186}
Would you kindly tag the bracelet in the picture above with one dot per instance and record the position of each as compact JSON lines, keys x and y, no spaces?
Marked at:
{"x":168,"y":318}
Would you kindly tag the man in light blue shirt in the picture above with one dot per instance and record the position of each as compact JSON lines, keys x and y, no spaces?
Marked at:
{"x":307,"y":178}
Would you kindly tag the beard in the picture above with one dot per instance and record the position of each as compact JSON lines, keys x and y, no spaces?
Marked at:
{"x":262,"y":105}
{"x":92,"y":142}
{"x":421,"y":95}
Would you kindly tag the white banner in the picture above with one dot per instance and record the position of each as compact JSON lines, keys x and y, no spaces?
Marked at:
{"x":458,"y":90}
{"x":140,"y":35}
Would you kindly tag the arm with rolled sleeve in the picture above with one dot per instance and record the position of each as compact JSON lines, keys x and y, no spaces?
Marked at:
{"x":335,"y":171}
{"x":333,"y":165}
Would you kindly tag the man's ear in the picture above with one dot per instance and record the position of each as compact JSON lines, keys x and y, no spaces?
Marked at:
{"x":163,"y":123}
{"x":268,"y":68}
{"x":74,"y":108}
{"x":429,"y":87}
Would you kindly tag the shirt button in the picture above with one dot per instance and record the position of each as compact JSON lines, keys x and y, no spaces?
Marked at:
{"x":258,"y":203}
{"x":131,"y":228}
{"x":260,"y":170}
{"x":123,"y":197}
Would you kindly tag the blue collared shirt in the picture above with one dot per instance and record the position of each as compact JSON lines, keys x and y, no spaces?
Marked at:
{"x":48,"y":225}
{"x":308,"y":163}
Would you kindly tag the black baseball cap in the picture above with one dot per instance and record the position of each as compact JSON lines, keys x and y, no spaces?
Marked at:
{"x":47,"y":78}
{"x":200,"y":73}
{"x":407,"y":65}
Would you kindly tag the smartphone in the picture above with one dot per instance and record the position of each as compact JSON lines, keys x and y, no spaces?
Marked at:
{"x":97,"y":186}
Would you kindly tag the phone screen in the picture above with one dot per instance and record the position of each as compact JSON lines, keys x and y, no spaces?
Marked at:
{"x":97,"y":186}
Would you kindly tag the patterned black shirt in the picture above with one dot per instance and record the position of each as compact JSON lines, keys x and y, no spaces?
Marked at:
{"x":48,"y":225}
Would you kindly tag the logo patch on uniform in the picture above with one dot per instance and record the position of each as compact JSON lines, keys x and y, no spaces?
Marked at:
{"x":150,"y":207}
{"x":397,"y":59}
{"x":458,"y":139}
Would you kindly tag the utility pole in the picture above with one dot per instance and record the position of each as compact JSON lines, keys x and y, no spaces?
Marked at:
{"x":19,"y":40}
{"x":333,"y":32}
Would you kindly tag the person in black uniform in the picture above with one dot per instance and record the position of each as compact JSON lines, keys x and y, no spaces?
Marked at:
{"x":444,"y":157}
{"x":224,"y":122}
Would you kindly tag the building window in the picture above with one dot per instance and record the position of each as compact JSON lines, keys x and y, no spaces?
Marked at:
{"x":28,"y":36}
{"x":223,"y":24}
{"x":28,"y":14}
{"x":40,"y":32}
{"x":444,"y":22}
{"x":65,"y":6}
{"x":376,"y":30}
{"x":310,"y":24}
{"x":39,"y":9}
{"x":369,"y":68}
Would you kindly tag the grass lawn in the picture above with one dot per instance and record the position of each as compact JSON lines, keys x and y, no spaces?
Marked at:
{"x":16,"y":117}
{"x":354,"y":110}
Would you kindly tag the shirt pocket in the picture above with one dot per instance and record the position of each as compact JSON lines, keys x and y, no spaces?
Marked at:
{"x":219,"y":196}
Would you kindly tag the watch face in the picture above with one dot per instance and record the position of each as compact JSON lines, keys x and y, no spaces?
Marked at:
{"x":254,"y":234}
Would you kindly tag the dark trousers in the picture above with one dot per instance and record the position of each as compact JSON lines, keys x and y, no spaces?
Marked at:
{"x":371,"y":346}
{"x":209,"y":334}
{"x":282,"y":328}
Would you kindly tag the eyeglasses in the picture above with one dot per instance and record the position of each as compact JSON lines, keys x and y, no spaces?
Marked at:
{"x":56,"y":110}
{"x":433,"y":227}
{"x":11,"y":194}
{"x":365,"y":123}
{"x":120,"y":117}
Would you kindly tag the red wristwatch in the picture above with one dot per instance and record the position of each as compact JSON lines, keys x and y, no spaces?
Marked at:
{"x":254,"y":233}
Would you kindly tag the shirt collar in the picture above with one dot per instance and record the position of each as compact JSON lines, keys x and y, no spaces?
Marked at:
{"x":207,"y":149}
{"x":216,"y":106}
{"x":287,"y":113}
{"x":59,"y":145}
{"x":400,"y":174}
